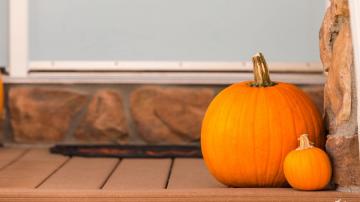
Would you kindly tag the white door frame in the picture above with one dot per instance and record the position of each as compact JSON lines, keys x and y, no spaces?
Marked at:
{"x":18,"y":38}
{"x":354,"y":6}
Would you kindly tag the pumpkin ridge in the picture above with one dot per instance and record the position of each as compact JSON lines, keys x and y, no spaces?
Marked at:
{"x":325,"y":158}
{"x":213,"y":139}
{"x":309,"y":124}
{"x":289,"y":103}
{"x":313,"y":158}
{"x":239,"y":172}
{"x":269,"y":135}
{"x":261,"y":135}
{"x":254,"y":100}
{"x":314,"y":116}
{"x":248,"y":99}
{"x":224,"y":113}
{"x":274,"y":103}
{"x":322,"y":166}
{"x":209,"y":139}
{"x":292,"y":167}
{"x":296,"y":104}
{"x":226,"y":127}
{"x":303,"y":167}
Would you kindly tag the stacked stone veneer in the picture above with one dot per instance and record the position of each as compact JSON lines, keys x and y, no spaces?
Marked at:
{"x":340,"y":95}
{"x":115,"y":114}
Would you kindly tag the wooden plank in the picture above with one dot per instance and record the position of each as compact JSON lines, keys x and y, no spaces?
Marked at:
{"x":204,"y":195}
{"x":10,"y":155}
{"x":31,"y":169}
{"x":81,"y":173}
{"x":190,"y":174}
{"x":138,"y":174}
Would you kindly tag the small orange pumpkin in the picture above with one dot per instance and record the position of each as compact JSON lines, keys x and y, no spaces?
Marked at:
{"x":307,"y":167}
{"x":250,"y":126}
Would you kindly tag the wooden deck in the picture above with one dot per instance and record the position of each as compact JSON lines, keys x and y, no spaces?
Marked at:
{"x":36,"y":175}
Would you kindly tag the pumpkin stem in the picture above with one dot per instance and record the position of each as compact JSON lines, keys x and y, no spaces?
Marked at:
{"x":304,"y":142}
{"x":261,"y":72}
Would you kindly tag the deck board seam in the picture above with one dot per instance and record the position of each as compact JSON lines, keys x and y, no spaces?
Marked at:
{"x":110,"y":174}
{"x":21,"y":155}
{"x":169,"y":173}
{"x":53,"y":173}
{"x":184,"y":196}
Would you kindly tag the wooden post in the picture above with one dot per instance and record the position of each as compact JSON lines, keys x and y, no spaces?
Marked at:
{"x":18,"y":42}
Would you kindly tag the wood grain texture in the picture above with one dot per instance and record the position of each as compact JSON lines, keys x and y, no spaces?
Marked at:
{"x":81,"y":173}
{"x":336,"y":53}
{"x":205,"y":195}
{"x":190,"y":174}
{"x":188,"y":182}
{"x":10,"y":155}
{"x":135,"y":174}
{"x":30,"y":170}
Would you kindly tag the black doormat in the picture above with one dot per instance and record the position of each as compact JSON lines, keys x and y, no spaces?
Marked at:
{"x":128,"y":151}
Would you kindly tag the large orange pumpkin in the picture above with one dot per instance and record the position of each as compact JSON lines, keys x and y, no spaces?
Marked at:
{"x":250,"y":127}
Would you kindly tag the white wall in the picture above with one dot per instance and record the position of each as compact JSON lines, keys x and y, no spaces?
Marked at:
{"x":285,"y":30}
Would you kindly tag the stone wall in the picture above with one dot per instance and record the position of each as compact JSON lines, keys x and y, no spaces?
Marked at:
{"x":340,"y":95}
{"x":115,"y":114}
